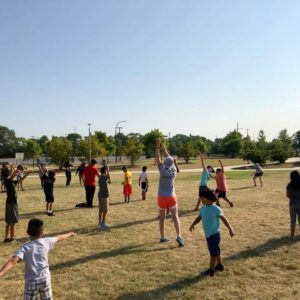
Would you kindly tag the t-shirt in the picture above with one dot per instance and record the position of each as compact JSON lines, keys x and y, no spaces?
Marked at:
{"x":294,"y":196}
{"x":90,"y":173}
{"x":166,"y":181}
{"x":143,"y":177}
{"x":210,"y":215}
{"x":103,"y":190}
{"x":258,"y":168}
{"x":127,"y":177}
{"x":35,"y":255}
{"x":204,"y":178}
{"x":48,"y":184}
{"x":221,"y":182}
{"x":10,"y":191}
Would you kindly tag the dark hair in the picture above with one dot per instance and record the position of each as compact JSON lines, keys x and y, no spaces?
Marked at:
{"x":144,"y":169}
{"x":20,"y":167}
{"x":124,"y":169}
{"x":51,"y":174}
{"x":295,"y":180}
{"x":35,"y":227}
{"x":103,"y":170}
{"x":5,"y":173}
{"x":93,"y":161}
{"x":218,"y":170}
{"x":212,"y":169}
{"x":209,"y":195}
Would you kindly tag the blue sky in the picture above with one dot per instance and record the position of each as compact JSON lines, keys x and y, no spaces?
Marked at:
{"x":186,"y":67}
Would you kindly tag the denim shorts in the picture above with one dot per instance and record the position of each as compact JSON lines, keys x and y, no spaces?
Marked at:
{"x":213,"y":244}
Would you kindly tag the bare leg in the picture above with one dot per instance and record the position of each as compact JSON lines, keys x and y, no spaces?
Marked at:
{"x":104,"y":216}
{"x":100,"y":216}
{"x":6,"y":231}
{"x":162,"y":215}
{"x":213,"y":260}
{"x":12,"y":231}
{"x":260,"y":181}
{"x":219,"y":261}
{"x":175,"y":218}
{"x":293,"y":232}
{"x":254,"y":180}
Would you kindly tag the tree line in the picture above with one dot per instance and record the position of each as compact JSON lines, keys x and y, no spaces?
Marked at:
{"x":64,"y":148}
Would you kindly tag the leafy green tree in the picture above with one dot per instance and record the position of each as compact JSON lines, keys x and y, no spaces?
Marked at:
{"x":134,"y":149}
{"x":96,"y":148}
{"x":60,"y":150}
{"x":285,"y":139}
{"x":296,"y":142}
{"x":43,"y":142}
{"x":110,"y":146}
{"x":149,"y":140}
{"x":257,"y":156}
{"x":279,"y":151}
{"x":8,"y":142}
{"x":262,"y":143}
{"x":187,"y":150}
{"x":75,"y":139}
{"x":32,"y":150}
{"x":248,"y":146}
{"x":232,"y":144}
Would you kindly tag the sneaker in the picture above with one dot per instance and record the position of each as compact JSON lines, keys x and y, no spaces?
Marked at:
{"x":7,"y":240}
{"x":208,"y":272}
{"x":180,"y":241}
{"x":12,"y":240}
{"x":219,"y":267}
{"x":163,"y":240}
{"x":104,"y":226}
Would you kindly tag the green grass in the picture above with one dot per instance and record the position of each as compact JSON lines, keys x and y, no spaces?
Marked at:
{"x":128,"y":262}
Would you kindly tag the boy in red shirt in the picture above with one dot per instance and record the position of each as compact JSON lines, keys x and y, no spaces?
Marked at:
{"x":221,"y":185}
{"x":89,"y":179}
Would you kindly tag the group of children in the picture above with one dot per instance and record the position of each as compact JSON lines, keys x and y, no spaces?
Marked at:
{"x":35,"y":252}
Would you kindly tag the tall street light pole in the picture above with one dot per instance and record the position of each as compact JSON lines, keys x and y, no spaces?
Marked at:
{"x":90,"y":143}
{"x":116,"y":127}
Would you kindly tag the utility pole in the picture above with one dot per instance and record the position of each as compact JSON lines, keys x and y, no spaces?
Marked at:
{"x":90,"y":143}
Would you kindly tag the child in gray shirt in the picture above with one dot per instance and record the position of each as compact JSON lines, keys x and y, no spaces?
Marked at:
{"x":35,"y":255}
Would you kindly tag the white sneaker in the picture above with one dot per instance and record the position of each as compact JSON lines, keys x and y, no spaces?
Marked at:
{"x":104,"y":226}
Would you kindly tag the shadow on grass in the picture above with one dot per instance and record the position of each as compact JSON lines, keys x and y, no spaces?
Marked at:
{"x":161,"y":292}
{"x":243,"y":188}
{"x":261,"y":250}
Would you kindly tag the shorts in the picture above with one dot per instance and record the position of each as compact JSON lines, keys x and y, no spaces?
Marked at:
{"x":127,"y":189}
{"x":221,"y":194}
{"x":213,"y":243}
{"x":202,"y":188}
{"x":259,"y":174}
{"x":144,"y":186}
{"x":165,"y":202}
{"x":11,"y":213}
{"x":49,"y":197}
{"x":103,"y":204}
{"x":294,"y":213}
{"x":38,"y":286}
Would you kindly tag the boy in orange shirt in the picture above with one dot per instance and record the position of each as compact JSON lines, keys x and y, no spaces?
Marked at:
{"x":221,"y":185}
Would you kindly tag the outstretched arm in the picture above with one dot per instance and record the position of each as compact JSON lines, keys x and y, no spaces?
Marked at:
{"x":157,"y":152}
{"x":202,"y":162}
{"x":222,"y":167}
{"x":196,"y":221}
{"x":226,"y":223}
{"x":26,"y":174}
{"x":176,"y":166}
{"x":108,"y":176}
{"x":65,"y":236}
{"x":9,"y":265}
{"x":165,"y":151}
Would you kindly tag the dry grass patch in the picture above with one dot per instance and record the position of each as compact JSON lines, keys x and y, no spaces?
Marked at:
{"x":128,"y":262}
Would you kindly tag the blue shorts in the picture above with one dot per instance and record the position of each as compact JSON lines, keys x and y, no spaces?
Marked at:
{"x":213,"y":243}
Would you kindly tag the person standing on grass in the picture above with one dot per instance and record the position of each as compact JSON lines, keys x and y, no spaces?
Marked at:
{"x":143,"y":182}
{"x":127,"y":184}
{"x":79,"y":171}
{"x":206,"y":174}
{"x":4,"y":171}
{"x":89,"y":179}
{"x":42,"y":170}
{"x":68,"y":173}
{"x":19,"y":177}
{"x":210,"y":215}
{"x":35,"y":255}
{"x":103,"y":195}
{"x":48,"y":186}
{"x":293,"y":193}
{"x":257,"y":174}
{"x":221,"y":185}
{"x":166,"y":192}
{"x":11,"y":204}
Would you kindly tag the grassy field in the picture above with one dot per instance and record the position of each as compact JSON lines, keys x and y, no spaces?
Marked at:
{"x":127,"y":262}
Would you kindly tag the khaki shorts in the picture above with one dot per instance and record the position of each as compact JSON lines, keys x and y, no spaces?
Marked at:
{"x":103,"y":204}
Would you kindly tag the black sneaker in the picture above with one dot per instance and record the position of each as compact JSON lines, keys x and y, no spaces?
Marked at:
{"x":6,"y":240}
{"x":219,"y":267}
{"x":208,"y":272}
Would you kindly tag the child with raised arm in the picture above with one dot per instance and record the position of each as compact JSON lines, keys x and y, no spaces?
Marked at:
{"x":221,"y":185}
{"x":258,"y":173}
{"x":35,"y":255}
{"x":104,"y":179}
{"x":206,"y":174}
{"x":166,"y":193}
{"x":48,"y":181}
{"x":210,"y":215}
{"x":143,"y":182}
